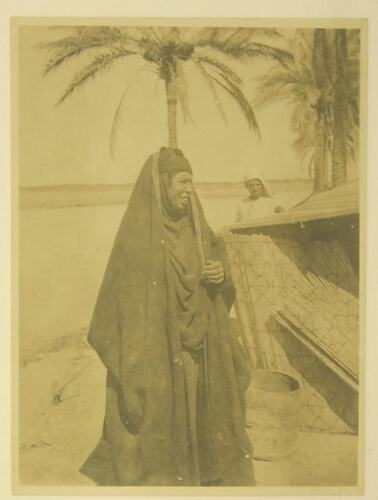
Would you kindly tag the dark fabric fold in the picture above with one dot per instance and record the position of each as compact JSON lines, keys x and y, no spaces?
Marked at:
{"x":152,"y":310}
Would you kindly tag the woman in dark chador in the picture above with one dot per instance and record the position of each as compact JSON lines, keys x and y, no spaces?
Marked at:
{"x":176,"y":373}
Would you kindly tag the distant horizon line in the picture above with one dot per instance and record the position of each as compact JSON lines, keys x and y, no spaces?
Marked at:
{"x":129,"y":184}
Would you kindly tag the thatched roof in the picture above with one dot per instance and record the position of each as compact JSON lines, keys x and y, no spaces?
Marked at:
{"x":335,"y":202}
{"x":342,"y":200}
{"x":325,"y":318}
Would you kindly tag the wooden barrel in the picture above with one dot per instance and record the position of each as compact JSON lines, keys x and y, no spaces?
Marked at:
{"x":273,"y":404}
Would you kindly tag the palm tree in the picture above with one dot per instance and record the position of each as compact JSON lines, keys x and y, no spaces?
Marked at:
{"x":322,"y":85}
{"x":166,"y":50}
{"x":346,"y":106}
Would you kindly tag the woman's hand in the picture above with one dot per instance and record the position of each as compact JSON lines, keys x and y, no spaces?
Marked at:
{"x":213,"y":272}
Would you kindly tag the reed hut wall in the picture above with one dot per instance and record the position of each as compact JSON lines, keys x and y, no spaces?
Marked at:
{"x":268,"y":261}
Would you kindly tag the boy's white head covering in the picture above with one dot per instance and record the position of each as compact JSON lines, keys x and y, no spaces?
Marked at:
{"x":254,"y":174}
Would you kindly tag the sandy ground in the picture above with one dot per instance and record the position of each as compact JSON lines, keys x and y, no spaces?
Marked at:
{"x":61,"y":413}
{"x":61,"y":403}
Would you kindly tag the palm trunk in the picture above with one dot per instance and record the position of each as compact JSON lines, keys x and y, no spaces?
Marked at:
{"x":339,"y":150}
{"x":321,"y":155}
{"x":320,"y":54}
{"x":171,"y":95}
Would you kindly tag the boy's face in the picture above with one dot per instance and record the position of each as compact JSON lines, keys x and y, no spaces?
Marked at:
{"x":255,"y":188}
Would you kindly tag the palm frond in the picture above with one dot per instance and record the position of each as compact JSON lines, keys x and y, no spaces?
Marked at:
{"x":291,"y":85}
{"x":219,"y":66}
{"x":118,"y":112}
{"x":157,"y":34}
{"x":302,"y":145}
{"x":305,"y":150}
{"x":99,"y":64}
{"x":207,"y":36}
{"x":237,"y":94}
{"x":261,"y":50}
{"x":150,"y":35}
{"x":138,"y":34}
{"x":213,"y":91}
{"x":173,"y":34}
{"x":66,"y":48}
{"x":302,"y":121}
{"x":242,"y":36}
{"x":353,"y":144}
{"x":230,"y":81}
{"x":266,"y":32}
{"x":238,"y":45}
{"x":221,"y":37}
{"x":275,"y":86}
{"x":311,"y":166}
{"x":302,"y":45}
{"x":354,"y":111}
{"x":234,"y":36}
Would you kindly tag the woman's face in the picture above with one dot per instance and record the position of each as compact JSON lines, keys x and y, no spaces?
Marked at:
{"x":255,"y":188}
{"x":179,"y":190}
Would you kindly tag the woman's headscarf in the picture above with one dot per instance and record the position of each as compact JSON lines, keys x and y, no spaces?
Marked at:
{"x":255,"y":174}
{"x":173,"y":160}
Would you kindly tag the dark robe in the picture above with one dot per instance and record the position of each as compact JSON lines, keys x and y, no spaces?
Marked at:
{"x":177,"y":376}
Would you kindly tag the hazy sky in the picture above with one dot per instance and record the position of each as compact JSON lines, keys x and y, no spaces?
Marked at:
{"x":69,"y":144}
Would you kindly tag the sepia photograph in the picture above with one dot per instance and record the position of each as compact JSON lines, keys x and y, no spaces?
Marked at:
{"x":189,"y":233}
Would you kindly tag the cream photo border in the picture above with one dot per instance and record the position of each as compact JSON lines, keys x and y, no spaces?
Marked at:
{"x":336,"y":14}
